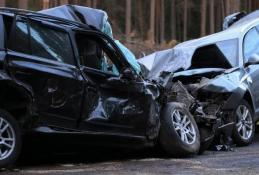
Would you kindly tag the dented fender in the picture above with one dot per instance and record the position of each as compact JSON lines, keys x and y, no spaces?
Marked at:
{"x":233,"y":84}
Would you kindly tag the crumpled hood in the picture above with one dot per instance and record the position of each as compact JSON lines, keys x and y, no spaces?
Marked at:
{"x":168,"y":61}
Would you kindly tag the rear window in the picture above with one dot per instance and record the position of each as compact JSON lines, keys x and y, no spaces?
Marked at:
{"x":21,"y":35}
{"x":223,"y":54}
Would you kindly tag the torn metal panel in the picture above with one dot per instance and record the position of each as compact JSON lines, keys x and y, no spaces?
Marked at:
{"x":125,"y":106}
{"x":86,"y":15}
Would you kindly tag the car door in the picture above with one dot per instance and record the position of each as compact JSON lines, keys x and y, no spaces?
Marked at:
{"x":251,"y":47}
{"x":41,"y":57}
{"x":112,"y":104}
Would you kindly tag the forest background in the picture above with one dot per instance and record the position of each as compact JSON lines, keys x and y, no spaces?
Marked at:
{"x":146,"y":26}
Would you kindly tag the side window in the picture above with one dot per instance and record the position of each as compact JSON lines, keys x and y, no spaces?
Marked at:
{"x":251,"y":43}
{"x":20,"y":39}
{"x":51,"y":43}
{"x":93,"y":55}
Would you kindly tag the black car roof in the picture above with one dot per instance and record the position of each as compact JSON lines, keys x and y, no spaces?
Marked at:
{"x":44,"y":17}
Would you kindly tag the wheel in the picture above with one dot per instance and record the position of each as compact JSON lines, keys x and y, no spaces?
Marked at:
{"x":179,"y":134}
{"x":244,"y":130}
{"x":10,"y":139}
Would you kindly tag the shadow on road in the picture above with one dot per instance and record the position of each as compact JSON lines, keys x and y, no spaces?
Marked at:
{"x":51,"y":154}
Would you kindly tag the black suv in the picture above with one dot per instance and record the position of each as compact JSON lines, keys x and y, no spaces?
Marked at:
{"x":53,"y":83}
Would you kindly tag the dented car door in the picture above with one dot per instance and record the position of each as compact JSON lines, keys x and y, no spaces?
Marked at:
{"x":113,"y":103}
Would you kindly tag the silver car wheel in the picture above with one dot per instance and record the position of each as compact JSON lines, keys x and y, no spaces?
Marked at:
{"x":7,"y":139}
{"x":244,"y":122}
{"x":183,"y":126}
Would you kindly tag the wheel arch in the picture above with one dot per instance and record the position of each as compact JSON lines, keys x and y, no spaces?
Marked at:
{"x":248,"y":98}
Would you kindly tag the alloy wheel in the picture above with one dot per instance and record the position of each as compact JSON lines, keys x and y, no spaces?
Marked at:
{"x":7,"y":139}
{"x":244,"y":122}
{"x":183,"y":126}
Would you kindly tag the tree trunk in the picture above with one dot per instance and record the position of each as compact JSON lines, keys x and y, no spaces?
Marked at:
{"x":203,"y":17}
{"x":2,"y":3}
{"x":223,"y":9}
{"x":140,"y":18}
{"x":173,"y":20}
{"x":218,"y":15}
{"x":249,"y":5}
{"x":45,"y":4}
{"x":63,"y":2}
{"x":23,"y":4}
{"x":94,"y":3}
{"x":227,"y":7}
{"x":239,"y":5}
{"x":162,"y":22}
{"x":88,"y":3}
{"x":152,"y":21}
{"x":157,"y":21}
{"x":185,"y":18}
{"x":212,"y":18}
{"x":128,"y":19}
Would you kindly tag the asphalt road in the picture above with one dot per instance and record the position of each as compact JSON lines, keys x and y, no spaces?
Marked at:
{"x":243,"y":160}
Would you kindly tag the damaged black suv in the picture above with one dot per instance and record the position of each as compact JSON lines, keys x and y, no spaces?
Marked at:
{"x":53,"y":83}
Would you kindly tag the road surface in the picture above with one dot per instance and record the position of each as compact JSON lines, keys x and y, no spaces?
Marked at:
{"x":244,"y":160}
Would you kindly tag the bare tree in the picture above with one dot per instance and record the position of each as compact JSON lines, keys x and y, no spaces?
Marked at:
{"x":140,"y":18}
{"x":45,"y":4}
{"x":63,"y":2}
{"x":94,"y":4}
{"x":203,"y":17}
{"x":162,"y":21}
{"x":185,"y":18}
{"x":249,"y":5}
{"x":23,"y":4}
{"x":173,"y":20}
{"x":227,"y":7}
{"x":157,"y":20}
{"x":128,"y":19}
{"x":152,"y":21}
{"x":2,"y":3}
{"x":89,"y":3}
{"x":223,"y":10}
{"x":238,"y":5}
{"x":212,"y":18}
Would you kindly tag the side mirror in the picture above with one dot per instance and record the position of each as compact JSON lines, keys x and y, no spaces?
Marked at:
{"x":253,"y":59}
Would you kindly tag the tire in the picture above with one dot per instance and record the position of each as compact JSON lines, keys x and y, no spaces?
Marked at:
{"x":170,"y":133}
{"x":9,"y":150}
{"x":243,"y":125}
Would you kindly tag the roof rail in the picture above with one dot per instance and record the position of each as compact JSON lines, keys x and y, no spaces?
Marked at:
{"x":41,"y":15}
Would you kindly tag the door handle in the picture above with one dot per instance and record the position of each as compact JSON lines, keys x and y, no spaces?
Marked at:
{"x":52,"y":89}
